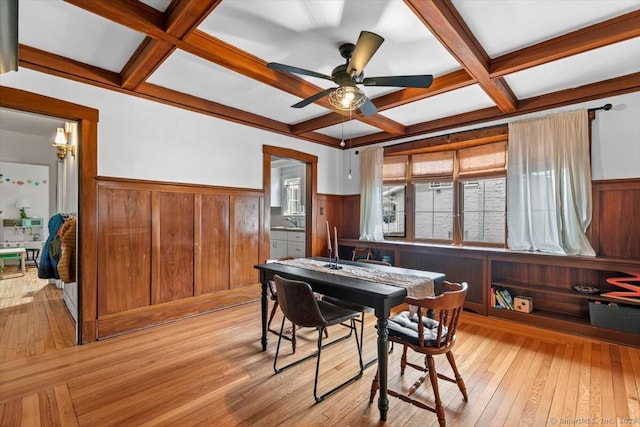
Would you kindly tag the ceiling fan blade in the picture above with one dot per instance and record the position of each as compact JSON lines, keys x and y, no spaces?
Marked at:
{"x":368,"y":43}
{"x":313,"y":98}
{"x":400,"y":81}
{"x":368,"y":108}
{"x":296,"y":70}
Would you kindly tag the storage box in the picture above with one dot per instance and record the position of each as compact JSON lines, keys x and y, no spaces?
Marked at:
{"x":613,"y":316}
{"x":523,"y":304}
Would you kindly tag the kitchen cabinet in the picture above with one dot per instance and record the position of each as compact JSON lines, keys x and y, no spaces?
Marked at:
{"x":286,"y":243}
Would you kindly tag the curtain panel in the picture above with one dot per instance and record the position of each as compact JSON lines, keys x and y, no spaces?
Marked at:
{"x":371,"y":161}
{"x":549,"y":184}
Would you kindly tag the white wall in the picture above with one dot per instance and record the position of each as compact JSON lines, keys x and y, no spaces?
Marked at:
{"x":33,"y":149}
{"x":142,"y":139}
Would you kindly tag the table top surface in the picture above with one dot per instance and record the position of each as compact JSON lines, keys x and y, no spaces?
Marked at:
{"x":11,"y":250}
{"x":367,"y":292}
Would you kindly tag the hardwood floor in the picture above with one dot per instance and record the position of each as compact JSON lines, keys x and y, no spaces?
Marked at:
{"x":209,"y":370}
{"x":33,"y":317}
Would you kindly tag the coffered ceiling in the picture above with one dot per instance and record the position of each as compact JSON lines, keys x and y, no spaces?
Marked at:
{"x":490,"y":58}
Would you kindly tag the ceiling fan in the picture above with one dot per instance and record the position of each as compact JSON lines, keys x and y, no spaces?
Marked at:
{"x":347,"y":96}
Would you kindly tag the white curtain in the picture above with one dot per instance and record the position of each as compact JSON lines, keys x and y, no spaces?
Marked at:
{"x":371,"y":160}
{"x":549,"y":184}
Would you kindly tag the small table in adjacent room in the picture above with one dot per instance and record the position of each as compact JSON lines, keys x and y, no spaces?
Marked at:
{"x":12,"y":253}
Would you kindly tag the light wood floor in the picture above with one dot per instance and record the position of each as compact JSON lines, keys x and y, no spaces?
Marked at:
{"x":33,"y":317}
{"x":209,"y":370}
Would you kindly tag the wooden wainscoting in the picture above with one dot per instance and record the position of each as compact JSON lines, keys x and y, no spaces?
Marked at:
{"x":615,"y":230}
{"x":167,"y":251}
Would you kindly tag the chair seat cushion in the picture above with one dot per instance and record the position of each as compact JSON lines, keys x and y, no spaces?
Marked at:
{"x":405,"y":327}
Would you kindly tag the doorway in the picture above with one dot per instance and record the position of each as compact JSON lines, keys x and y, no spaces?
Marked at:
{"x":86,"y":158}
{"x":306,"y":196}
{"x":39,"y":181}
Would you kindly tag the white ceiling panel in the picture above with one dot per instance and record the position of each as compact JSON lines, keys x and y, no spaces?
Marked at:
{"x":451,"y":103}
{"x":308,"y":34}
{"x":212,"y":82}
{"x":160,"y":5}
{"x":502,"y":26}
{"x":69,"y":31}
{"x":589,"y":67}
{"x":348,"y":129}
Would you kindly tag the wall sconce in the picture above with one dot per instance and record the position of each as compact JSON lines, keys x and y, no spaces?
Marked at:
{"x":60,"y":143}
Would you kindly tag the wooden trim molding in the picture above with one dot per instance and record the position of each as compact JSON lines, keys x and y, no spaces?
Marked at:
{"x":311,"y":193}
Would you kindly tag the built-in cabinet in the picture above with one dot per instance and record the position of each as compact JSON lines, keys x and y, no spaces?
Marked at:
{"x":550,"y":280}
{"x":287,"y":243}
{"x":547,"y":279}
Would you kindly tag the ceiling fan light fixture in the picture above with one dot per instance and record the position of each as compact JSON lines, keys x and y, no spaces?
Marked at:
{"x":347,"y":98}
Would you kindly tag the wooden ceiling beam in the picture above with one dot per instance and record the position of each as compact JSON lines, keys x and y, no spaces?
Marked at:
{"x":50,"y":63}
{"x":603,"y":34}
{"x":181,"y":19}
{"x":73,"y":70}
{"x":212,"y":49}
{"x":441,"y":17}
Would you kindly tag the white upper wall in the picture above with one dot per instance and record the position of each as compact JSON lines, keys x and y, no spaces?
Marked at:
{"x":141,"y":139}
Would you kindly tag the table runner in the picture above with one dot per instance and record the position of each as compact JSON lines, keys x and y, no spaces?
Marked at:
{"x":416,"y":286}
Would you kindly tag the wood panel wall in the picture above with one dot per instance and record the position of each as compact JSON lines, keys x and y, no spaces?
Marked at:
{"x":616,"y":218}
{"x":167,"y":251}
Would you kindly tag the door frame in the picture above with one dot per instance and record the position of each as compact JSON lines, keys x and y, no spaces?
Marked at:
{"x":311,"y":194}
{"x":87,"y":155}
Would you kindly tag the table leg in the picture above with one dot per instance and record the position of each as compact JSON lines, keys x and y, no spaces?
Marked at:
{"x":23,"y":261}
{"x":383,"y":358}
{"x":265,"y":309}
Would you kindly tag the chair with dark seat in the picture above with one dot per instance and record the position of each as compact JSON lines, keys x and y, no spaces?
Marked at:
{"x":289,"y":335}
{"x":300,"y":305}
{"x":430,"y":336}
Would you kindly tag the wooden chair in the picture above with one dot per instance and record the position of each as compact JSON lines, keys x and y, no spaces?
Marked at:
{"x":429,"y":337}
{"x":359,"y":254}
{"x":289,"y":335}
{"x":300,"y":305}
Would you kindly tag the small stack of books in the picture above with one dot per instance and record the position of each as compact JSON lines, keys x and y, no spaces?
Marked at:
{"x":501,"y":298}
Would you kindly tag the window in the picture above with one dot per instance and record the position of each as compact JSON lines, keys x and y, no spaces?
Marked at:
{"x":434,"y":210}
{"x":393,"y":210}
{"x":483,"y":210}
{"x":292,"y":196}
{"x":456,"y":196}
{"x":394,"y":172}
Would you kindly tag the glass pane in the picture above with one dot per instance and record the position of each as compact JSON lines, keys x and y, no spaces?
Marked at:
{"x":434,"y":210}
{"x":484,"y":203}
{"x":292,"y":194}
{"x":393,"y":210}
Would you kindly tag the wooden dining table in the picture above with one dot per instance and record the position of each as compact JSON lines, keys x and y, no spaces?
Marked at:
{"x":382,"y":297}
